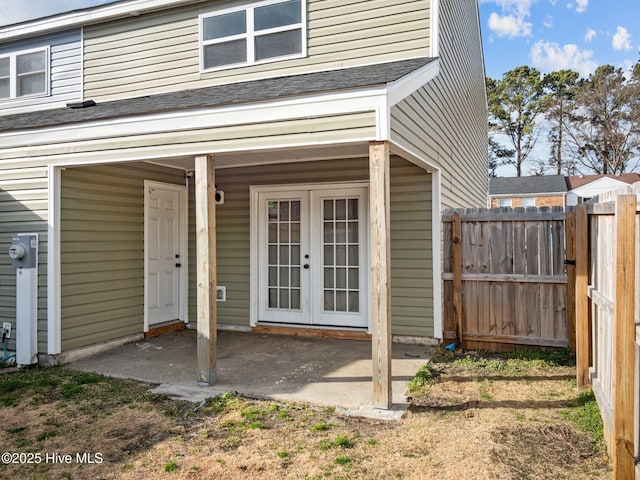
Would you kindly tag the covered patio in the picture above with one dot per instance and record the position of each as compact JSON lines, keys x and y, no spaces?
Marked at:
{"x":319,"y":371}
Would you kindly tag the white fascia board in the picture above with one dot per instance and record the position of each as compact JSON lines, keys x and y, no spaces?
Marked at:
{"x":373,"y":100}
{"x":405,"y":86}
{"x":84,"y":17}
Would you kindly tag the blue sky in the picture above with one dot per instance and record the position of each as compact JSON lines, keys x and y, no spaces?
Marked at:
{"x":555,"y":34}
{"x":546,"y":34}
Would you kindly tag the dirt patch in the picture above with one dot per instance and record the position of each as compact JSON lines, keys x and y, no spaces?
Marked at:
{"x":474,"y":420}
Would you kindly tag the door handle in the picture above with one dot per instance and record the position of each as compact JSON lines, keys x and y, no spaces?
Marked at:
{"x":306,"y":265}
{"x":178,"y":264}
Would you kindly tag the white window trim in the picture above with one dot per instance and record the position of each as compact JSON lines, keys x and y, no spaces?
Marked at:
{"x":250,"y":35}
{"x":504,"y":201}
{"x":13,"y":77}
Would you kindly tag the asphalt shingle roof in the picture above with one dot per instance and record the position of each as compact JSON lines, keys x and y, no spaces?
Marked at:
{"x":230,"y":94}
{"x":527,"y":185}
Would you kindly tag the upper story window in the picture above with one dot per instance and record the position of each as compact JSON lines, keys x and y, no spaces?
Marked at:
{"x":528,"y":202}
{"x":505,"y":202}
{"x":24,"y":74}
{"x":260,"y":32}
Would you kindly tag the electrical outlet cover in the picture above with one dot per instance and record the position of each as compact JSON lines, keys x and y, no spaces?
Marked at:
{"x":6,"y":327}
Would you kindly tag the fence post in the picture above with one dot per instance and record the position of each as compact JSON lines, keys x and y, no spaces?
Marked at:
{"x":457,"y":275}
{"x":570,"y":231}
{"x":624,"y":338}
{"x":581,"y":294}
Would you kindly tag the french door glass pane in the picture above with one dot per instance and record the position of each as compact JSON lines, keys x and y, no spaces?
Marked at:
{"x":340,"y":255}
{"x":284,"y":254}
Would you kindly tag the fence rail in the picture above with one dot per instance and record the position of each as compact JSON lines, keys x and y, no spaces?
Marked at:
{"x":504,"y":270}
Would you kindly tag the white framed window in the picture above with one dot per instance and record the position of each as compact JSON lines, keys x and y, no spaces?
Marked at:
{"x":256,"y":33}
{"x":24,"y":74}
{"x":528,"y":202}
{"x":505,"y":202}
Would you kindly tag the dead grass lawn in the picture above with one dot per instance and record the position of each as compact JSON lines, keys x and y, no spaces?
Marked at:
{"x":473,"y":422}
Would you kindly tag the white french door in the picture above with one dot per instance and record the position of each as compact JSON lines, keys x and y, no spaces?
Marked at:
{"x":312,"y":256}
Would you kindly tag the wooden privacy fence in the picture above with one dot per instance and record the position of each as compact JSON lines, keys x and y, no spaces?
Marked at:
{"x":505,"y":284}
{"x":608,"y":318}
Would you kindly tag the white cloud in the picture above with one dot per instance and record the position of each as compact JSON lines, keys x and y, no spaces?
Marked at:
{"x":512,"y":20}
{"x":581,"y":5}
{"x":622,"y":39}
{"x":550,"y":56}
{"x":509,"y":26}
{"x":590,"y":35}
{"x":548,"y":21}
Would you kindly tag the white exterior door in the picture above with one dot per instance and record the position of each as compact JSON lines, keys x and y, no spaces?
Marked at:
{"x":165,"y":253}
{"x":312,"y":256}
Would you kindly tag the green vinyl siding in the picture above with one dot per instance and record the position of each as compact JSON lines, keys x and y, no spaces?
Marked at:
{"x":102,"y":250}
{"x":410,"y":236}
{"x":159,"y":52}
{"x":446,"y":120}
{"x":411,"y":252}
{"x":23,"y":209}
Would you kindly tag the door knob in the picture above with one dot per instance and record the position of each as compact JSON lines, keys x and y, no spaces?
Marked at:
{"x":178,"y":264}
{"x":306,"y":265}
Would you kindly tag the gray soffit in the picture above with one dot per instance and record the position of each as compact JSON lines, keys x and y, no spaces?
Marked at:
{"x":527,"y":185}
{"x":220,"y":95}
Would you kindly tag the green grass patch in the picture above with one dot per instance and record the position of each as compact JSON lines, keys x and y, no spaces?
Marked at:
{"x":48,"y":434}
{"x":321,"y":426}
{"x":223,"y":403}
{"x":170,"y":466}
{"x":425,"y":376}
{"x":343,"y":460}
{"x":585,"y":416}
{"x":517,"y":362}
{"x":343,"y":441}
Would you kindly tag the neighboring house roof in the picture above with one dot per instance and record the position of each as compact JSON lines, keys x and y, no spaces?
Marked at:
{"x":230,"y":94}
{"x":519,"y":186}
{"x":581,"y":180}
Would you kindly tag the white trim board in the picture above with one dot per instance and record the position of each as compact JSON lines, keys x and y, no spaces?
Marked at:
{"x":368,"y":100}
{"x":54,"y":295}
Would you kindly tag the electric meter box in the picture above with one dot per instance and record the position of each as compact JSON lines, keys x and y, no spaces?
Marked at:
{"x":24,"y":251}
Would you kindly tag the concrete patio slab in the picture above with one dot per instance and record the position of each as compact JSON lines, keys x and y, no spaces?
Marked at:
{"x":320,"y":371}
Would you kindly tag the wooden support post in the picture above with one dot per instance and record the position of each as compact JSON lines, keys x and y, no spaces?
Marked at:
{"x":380,"y":274}
{"x":624,"y":336}
{"x":457,"y":276}
{"x":206,"y":269}
{"x":583,"y":345}
{"x":570,"y":231}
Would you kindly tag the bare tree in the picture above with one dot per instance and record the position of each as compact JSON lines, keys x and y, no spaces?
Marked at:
{"x":604,"y":127}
